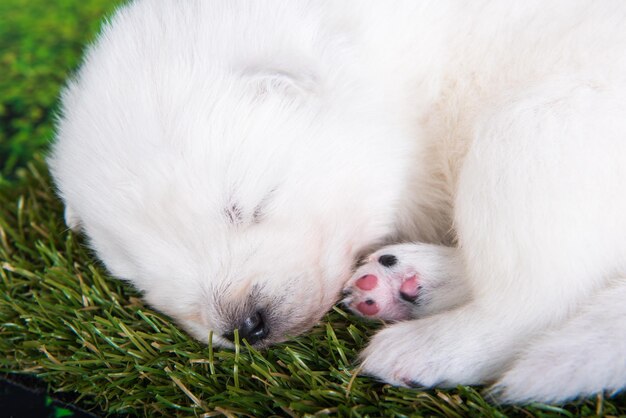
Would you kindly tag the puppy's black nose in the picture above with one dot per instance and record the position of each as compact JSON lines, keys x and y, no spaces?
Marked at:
{"x":253,"y":329}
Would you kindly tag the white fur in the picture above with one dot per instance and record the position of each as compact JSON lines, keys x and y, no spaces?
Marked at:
{"x":232,"y":156}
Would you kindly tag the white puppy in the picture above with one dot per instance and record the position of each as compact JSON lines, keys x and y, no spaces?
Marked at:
{"x":233,"y":159}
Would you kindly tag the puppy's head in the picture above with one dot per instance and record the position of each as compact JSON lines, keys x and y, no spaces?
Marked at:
{"x":234,"y":197}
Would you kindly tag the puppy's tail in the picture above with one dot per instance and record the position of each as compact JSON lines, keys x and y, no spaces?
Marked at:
{"x":584,"y":357}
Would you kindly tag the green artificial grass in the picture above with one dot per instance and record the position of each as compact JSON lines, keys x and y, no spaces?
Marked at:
{"x":65,"y":320}
{"x":40,"y":42}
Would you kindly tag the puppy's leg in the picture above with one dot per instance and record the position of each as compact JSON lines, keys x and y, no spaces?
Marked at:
{"x":584,"y":357}
{"x":407,"y":281}
{"x":539,"y":217}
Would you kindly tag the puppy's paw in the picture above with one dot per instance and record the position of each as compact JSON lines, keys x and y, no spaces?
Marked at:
{"x":406,"y":281}
{"x":379,"y":291}
{"x":463,"y":346}
{"x":536,"y":379}
{"x":583,"y":357}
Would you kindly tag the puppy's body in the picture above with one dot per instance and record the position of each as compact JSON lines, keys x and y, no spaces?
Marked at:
{"x":233,"y":159}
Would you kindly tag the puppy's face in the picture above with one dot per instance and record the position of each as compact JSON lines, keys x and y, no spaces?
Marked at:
{"x":240,"y":202}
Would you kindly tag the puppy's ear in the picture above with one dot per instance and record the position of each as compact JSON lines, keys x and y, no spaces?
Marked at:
{"x":287,"y":81}
{"x":72,"y":220}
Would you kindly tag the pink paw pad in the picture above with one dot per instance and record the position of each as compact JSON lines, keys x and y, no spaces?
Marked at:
{"x":367,"y":282}
{"x":369,"y":307}
{"x":409,"y":289}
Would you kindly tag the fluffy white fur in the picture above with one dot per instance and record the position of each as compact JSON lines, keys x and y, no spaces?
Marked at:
{"x":233,"y":157}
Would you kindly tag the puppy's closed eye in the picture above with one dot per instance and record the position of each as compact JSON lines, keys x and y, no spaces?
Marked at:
{"x":236,"y":215}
